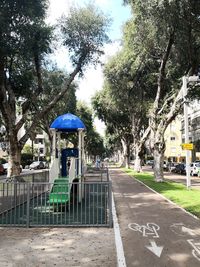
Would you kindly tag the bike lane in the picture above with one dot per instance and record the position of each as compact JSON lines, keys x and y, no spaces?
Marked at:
{"x":155,"y":232}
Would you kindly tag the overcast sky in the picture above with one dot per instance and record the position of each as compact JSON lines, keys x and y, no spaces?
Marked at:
{"x":93,"y":77}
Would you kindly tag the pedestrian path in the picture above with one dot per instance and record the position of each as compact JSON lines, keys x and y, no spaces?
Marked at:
{"x":155,"y":232}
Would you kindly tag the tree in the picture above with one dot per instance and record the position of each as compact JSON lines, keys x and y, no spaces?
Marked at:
{"x":129,"y":84}
{"x":24,"y":41}
{"x":167,"y":33}
{"x":94,"y":144}
{"x":53,"y":81}
{"x":117,"y":120}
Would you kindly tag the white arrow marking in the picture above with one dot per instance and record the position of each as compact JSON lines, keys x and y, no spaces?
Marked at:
{"x":154,"y":248}
{"x":188,"y":230}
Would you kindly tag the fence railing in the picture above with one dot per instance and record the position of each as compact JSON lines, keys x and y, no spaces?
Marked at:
{"x":36,"y":176}
{"x":30,"y":204}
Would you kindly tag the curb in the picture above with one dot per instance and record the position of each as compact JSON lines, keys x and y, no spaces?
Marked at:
{"x":168,"y":200}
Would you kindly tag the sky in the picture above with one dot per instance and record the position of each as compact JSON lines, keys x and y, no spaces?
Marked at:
{"x":93,"y":77}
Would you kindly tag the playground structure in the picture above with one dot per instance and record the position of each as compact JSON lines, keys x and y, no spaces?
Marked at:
{"x":67,"y":195}
{"x":67,"y":164}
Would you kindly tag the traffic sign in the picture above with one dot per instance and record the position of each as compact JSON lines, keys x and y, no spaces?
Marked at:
{"x":188,"y":146}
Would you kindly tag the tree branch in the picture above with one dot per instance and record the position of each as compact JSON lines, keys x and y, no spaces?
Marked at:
{"x":175,"y":109}
{"x":46,"y":109}
{"x":170,"y":98}
{"x":162,"y":71}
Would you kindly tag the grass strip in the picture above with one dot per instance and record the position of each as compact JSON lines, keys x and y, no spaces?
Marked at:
{"x":176,"y":192}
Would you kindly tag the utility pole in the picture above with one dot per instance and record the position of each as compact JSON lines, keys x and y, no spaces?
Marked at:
{"x":186,"y":80}
{"x":185,"y":107}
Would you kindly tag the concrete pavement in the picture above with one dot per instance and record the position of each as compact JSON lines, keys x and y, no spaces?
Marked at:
{"x":154,"y":231}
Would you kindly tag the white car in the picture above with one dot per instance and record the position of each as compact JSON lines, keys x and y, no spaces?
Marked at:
{"x":37,"y":165}
{"x":6,"y":166}
{"x":194,"y":168}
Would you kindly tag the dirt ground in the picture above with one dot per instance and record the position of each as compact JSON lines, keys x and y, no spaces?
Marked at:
{"x":47,"y":247}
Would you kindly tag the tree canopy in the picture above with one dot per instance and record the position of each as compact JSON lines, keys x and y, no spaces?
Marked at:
{"x":25,"y":40}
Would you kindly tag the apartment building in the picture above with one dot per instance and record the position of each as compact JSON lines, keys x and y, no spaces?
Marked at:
{"x":173,"y":138}
{"x":175,"y":135}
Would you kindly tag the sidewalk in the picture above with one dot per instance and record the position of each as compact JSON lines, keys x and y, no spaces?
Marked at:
{"x":154,"y":231}
{"x":50,"y":247}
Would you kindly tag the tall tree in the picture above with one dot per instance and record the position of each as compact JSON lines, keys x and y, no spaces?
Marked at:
{"x":24,"y":41}
{"x":166,"y":32}
{"x":53,"y":81}
{"x":117,"y":120}
{"x":94,"y":144}
{"x":129,"y":84}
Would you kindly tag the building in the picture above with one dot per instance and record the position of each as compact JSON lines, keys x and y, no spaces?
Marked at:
{"x":175,"y":136}
{"x":194,"y":128}
{"x":173,"y":139}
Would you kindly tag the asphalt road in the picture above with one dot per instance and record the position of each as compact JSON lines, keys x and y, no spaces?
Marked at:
{"x":154,"y":231}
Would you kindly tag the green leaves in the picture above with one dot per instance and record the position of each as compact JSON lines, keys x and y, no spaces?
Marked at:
{"x":17,"y":19}
{"x":84,"y":34}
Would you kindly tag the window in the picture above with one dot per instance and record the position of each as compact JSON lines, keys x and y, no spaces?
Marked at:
{"x":173,"y":127}
{"x":40,"y":140}
{"x":173,"y":149}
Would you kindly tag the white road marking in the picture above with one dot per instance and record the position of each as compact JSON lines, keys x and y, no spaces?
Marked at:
{"x":196,"y":248}
{"x":146,"y":230}
{"x":121,"y":262}
{"x":188,"y":230}
{"x":157,"y":250}
{"x":181,"y":230}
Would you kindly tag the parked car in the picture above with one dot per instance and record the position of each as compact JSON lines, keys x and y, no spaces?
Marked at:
{"x":194,"y":168}
{"x":180,"y":168}
{"x":36,"y":165}
{"x":149,"y":162}
{"x":1,"y":169}
{"x":46,"y":164}
{"x":172,"y":166}
{"x":165,"y":165}
{"x":6,"y":166}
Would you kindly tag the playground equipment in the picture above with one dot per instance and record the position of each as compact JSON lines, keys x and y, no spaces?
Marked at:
{"x":67,"y":164}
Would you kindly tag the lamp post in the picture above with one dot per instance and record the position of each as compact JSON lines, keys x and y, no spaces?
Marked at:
{"x":185,"y":107}
{"x":187,"y":80}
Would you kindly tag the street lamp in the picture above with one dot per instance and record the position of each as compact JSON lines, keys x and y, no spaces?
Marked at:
{"x":186,"y":81}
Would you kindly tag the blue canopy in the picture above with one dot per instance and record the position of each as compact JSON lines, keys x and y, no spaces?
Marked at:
{"x":68,"y":123}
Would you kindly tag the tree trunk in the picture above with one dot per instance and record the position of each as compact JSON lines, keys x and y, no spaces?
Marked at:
{"x":126,"y":154}
{"x":158,"y":164}
{"x":14,"y":157}
{"x":158,"y":150}
{"x":138,"y":158}
{"x":128,"y":157}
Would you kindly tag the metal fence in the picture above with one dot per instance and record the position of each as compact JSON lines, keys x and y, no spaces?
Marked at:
{"x":32,"y":204}
{"x":36,"y":176}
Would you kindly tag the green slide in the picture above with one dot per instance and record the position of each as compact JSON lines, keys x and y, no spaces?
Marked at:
{"x":60,"y":191}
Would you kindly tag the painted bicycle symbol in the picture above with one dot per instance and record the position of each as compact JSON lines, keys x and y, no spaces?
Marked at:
{"x":196,"y":248}
{"x":146,"y":230}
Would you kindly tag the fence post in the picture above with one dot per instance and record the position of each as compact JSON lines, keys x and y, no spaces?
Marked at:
{"x":107,"y":173}
{"x":28,"y":206}
{"x":15,"y":193}
{"x":33,"y":177}
{"x":110,"y":204}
